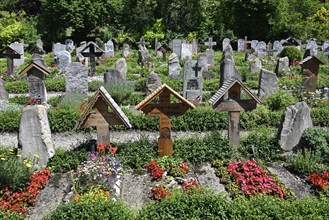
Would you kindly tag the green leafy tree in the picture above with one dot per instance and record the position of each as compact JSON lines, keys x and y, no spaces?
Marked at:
{"x":320,"y":24}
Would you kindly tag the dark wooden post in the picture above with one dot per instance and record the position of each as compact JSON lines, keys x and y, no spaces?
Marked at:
{"x":92,"y":54}
{"x":10,"y":54}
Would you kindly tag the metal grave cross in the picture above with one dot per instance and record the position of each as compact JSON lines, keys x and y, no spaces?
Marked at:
{"x":210,"y":43}
{"x":196,"y":69}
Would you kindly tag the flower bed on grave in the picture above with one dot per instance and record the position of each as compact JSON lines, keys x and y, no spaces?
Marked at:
{"x":249,"y":179}
{"x":19,"y":185}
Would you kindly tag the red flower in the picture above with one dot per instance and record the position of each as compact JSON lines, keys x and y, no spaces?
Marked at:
{"x":159,"y":193}
{"x":157,"y":173}
{"x":114,"y":150}
{"x":150,"y":166}
{"x":100,"y":147}
{"x":184,"y":166}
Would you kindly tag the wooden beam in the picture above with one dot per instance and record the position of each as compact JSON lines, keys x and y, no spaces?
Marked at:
{"x":237,"y":105}
{"x":234,"y":128}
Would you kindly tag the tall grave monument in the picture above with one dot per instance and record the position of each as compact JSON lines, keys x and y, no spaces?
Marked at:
{"x":210,"y":52}
{"x":193,"y":81}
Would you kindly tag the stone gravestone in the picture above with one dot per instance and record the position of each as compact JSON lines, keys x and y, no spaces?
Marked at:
{"x":261,"y":49}
{"x":268,"y":83}
{"x":186,"y":52}
{"x":164,"y":109}
{"x":173,"y":66}
{"x":282,"y":66}
{"x":225,"y":43}
{"x":256,"y":65}
{"x":19,"y":47}
{"x":278,"y":47}
{"x":121,"y":66}
{"x":34,"y":135}
{"x":153,"y":81}
{"x":296,"y":119}
{"x":193,"y":81}
{"x":39,"y":43}
{"x":69,"y":45}
{"x":312,"y":45}
{"x":11,"y":55}
{"x":76,"y":75}
{"x":241,"y":45}
{"x":310,"y":70}
{"x":58,"y":47}
{"x":126,"y":51}
{"x":63,"y":59}
{"x":177,"y":47}
{"x":203,"y":62}
{"x":210,"y":57}
{"x":227,"y":66}
{"x":79,"y":57}
{"x":325,"y":45}
{"x":92,"y":51}
{"x":109,"y":49}
{"x":253,"y":44}
{"x":113,"y":76}
{"x":194,"y":46}
{"x":3,"y":93}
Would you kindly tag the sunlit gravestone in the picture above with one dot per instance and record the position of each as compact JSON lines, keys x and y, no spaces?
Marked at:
{"x":102,"y":111}
{"x":164,"y":109}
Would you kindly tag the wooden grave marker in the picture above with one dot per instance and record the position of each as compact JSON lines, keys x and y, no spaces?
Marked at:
{"x":102,"y":118}
{"x":310,"y":70}
{"x":92,"y":51}
{"x":228,"y":98}
{"x":164,"y":109}
{"x":11,"y":54}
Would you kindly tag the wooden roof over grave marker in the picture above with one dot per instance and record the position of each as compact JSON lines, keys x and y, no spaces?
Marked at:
{"x":147,"y":107}
{"x":33,"y":64}
{"x":216,"y":99}
{"x":8,"y":51}
{"x":115,"y":118}
{"x":37,"y":49}
{"x":94,"y":50}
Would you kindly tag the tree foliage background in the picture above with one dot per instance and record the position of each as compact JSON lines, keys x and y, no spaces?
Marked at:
{"x":54,"y":20}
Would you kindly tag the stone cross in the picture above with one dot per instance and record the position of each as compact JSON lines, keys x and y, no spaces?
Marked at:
{"x":210,"y":43}
{"x":102,"y":118}
{"x":269,"y":50}
{"x":10,"y":54}
{"x":233,"y":104}
{"x":142,"y":42}
{"x":164,"y":109}
{"x":92,"y":51}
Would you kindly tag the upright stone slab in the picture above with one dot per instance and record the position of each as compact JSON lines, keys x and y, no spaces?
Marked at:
{"x":109,"y":49}
{"x":203,"y":61}
{"x":3,"y":93}
{"x":121,"y":66}
{"x":268,"y":83}
{"x":126,"y":51}
{"x":282,"y":66}
{"x":19,"y":47}
{"x":39,"y":43}
{"x":325,"y":45}
{"x":194,"y":46}
{"x":227,"y":66}
{"x":34,"y":135}
{"x":63,"y":59}
{"x":76,"y":75}
{"x":113,"y":76}
{"x":313,"y":46}
{"x":261,"y":49}
{"x":256,"y":65}
{"x":295,"y":121}
{"x":241,"y":45}
{"x":253,"y":44}
{"x":186,"y":52}
{"x":177,"y":47}
{"x":210,"y":53}
{"x":278,"y":47}
{"x":173,"y":66}
{"x":69,"y":43}
{"x":225,"y":43}
{"x":153,"y":81}
{"x":58,"y":47}
{"x":193,"y":81}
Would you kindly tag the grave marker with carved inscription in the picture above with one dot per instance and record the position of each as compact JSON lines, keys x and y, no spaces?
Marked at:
{"x":102,"y":117}
{"x":234,"y":105}
{"x":164,"y":109}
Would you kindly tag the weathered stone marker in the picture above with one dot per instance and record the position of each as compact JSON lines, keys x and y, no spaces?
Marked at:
{"x":164,"y":109}
{"x":10,"y":54}
{"x":102,"y":118}
{"x":92,"y":51}
{"x":310,"y":69}
{"x":234,"y":105}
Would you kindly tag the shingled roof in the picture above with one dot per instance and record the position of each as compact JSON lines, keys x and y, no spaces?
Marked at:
{"x":309,"y":58}
{"x":157,"y":92}
{"x":103,"y":94}
{"x":33,"y":64}
{"x":225,"y":87}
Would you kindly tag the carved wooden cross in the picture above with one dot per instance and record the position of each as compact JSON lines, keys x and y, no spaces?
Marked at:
{"x":210,"y":43}
{"x":164,"y":110}
{"x":102,"y":118}
{"x":246,"y":42}
{"x":10,"y":54}
{"x":233,"y":105}
{"x":94,"y":51}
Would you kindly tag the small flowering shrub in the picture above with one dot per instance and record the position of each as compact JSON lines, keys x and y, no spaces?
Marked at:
{"x":99,"y":171}
{"x":156,"y":171}
{"x":18,"y":201}
{"x":320,"y":181}
{"x":160,"y":192}
{"x":190,"y":186}
{"x":252,"y":179}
